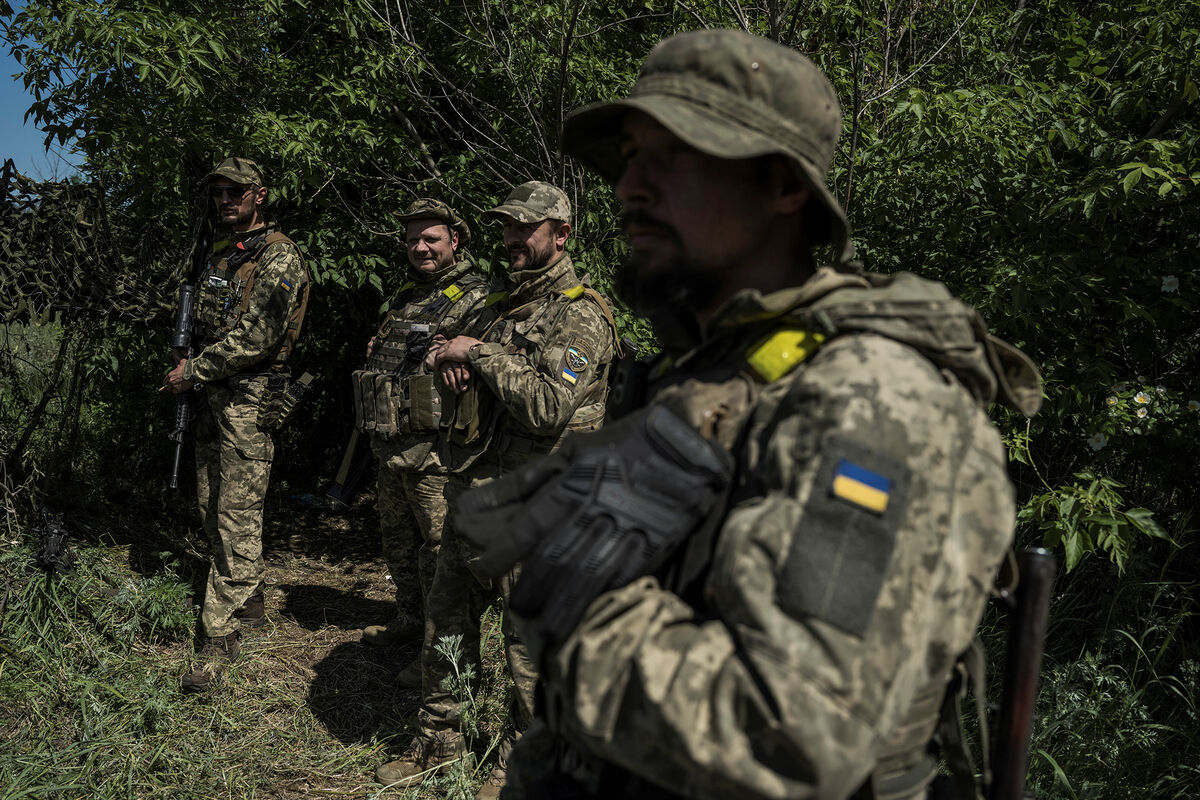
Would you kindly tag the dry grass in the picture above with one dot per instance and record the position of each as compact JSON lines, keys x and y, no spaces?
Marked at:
{"x":308,"y":711}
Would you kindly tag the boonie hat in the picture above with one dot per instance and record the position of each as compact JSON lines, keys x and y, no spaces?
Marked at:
{"x":429,"y":208}
{"x":533,"y":202}
{"x":731,"y":95}
{"x":238,"y":170}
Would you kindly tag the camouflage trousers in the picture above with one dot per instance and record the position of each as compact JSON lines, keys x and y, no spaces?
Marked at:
{"x":233,"y":467}
{"x":412,"y":513}
{"x":455,"y":605}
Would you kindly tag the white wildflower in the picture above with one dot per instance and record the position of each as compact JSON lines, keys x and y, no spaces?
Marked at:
{"x":1142,"y":412}
{"x":1170,"y":284}
{"x":1141,"y":398}
{"x":1097,"y":441}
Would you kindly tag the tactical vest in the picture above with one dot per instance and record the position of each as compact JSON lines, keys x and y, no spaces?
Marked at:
{"x":475,"y":416}
{"x":392,"y":392}
{"x":224,"y":295}
{"x":740,"y":368}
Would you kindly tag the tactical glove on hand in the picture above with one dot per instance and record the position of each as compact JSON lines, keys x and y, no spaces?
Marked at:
{"x":607,"y":508}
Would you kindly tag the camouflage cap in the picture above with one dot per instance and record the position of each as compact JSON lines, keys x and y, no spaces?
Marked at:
{"x":533,"y":202}
{"x":429,"y":208}
{"x":238,"y":170}
{"x":731,"y":95}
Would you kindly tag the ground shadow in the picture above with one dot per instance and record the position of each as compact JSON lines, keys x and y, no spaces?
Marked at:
{"x":313,"y":606}
{"x":355,"y":697}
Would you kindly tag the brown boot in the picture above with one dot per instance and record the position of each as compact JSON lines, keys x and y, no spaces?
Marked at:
{"x":253,"y":613}
{"x":398,"y":630}
{"x":210,"y":662}
{"x":410,"y":676}
{"x":423,"y":758}
{"x":493,"y":785}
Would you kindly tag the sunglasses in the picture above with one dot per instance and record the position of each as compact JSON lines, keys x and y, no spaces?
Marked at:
{"x":235,"y":192}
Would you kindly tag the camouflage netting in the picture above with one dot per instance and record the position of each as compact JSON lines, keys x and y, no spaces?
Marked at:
{"x":65,"y":253}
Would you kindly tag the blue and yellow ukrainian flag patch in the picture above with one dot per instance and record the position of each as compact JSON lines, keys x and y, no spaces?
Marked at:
{"x":860,"y":486}
{"x":286,"y":284}
{"x":570,"y":376}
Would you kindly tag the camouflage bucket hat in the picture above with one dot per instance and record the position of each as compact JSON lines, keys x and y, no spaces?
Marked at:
{"x":238,"y":170}
{"x":429,"y":208}
{"x":533,"y":202}
{"x":730,"y":95}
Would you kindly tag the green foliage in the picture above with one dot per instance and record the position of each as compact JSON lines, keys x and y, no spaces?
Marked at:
{"x":1085,"y":518}
{"x":1044,"y":162}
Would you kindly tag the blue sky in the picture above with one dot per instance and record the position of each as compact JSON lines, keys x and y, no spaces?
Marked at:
{"x":20,"y":140}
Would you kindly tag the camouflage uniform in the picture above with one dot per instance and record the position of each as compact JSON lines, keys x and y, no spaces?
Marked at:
{"x":411,"y":479}
{"x":544,"y":365}
{"x":247,"y":321}
{"x":799,"y":642}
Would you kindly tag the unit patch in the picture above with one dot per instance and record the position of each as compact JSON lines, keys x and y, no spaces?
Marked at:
{"x":286,"y":284}
{"x":575,"y":360}
{"x":841,"y":550}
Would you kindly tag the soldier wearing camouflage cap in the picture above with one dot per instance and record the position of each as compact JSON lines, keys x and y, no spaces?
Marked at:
{"x":399,"y":408}
{"x":536,"y":373}
{"x":757,"y":585}
{"x":250,"y":307}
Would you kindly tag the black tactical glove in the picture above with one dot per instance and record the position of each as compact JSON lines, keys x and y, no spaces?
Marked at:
{"x":606,"y":509}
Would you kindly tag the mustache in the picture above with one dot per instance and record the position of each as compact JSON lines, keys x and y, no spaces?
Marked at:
{"x":644,"y":219}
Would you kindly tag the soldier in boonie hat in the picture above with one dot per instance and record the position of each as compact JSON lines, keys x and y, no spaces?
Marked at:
{"x":733,"y":96}
{"x":533,"y":202}
{"x":429,"y":208}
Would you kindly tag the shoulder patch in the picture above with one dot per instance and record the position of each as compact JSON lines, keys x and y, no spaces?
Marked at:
{"x":286,"y":284}
{"x":842,"y":547}
{"x":575,"y":360}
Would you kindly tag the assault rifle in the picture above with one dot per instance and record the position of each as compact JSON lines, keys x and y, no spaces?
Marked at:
{"x":1026,"y":636}
{"x":356,"y":463}
{"x":181,"y":339}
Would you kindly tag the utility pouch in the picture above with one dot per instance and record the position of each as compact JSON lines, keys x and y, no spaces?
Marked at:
{"x":425,"y":403}
{"x":376,"y":403}
{"x":280,"y":399}
{"x":472,"y":416}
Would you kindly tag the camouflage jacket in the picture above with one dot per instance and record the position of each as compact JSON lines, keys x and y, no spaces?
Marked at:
{"x":470,"y":302}
{"x":545,"y":361}
{"x":256,"y":330}
{"x":802,"y":645}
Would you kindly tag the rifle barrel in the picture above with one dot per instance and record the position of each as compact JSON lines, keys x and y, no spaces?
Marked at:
{"x":1026,"y":636}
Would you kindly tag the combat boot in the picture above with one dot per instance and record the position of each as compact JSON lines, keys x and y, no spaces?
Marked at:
{"x":423,"y":758}
{"x":208,"y":665}
{"x":410,"y":676}
{"x":253,"y":613}
{"x":398,"y":630}
{"x":494,"y":785}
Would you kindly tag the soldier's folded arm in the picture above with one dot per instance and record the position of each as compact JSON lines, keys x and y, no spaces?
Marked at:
{"x":540,"y":391}
{"x":829,"y":605}
{"x":279,"y":280}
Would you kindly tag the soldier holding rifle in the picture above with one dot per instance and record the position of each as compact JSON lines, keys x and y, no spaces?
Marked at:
{"x":250,"y":303}
{"x":759,"y":584}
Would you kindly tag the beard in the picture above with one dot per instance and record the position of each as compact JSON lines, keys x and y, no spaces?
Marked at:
{"x":669,"y":296}
{"x":679,"y":283}
{"x":240,"y":217}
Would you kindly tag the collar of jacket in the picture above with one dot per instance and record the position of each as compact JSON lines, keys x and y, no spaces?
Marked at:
{"x":559,"y":275}
{"x":464,"y":265}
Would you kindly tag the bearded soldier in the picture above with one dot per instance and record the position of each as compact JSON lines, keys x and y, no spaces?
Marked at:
{"x":757,"y":584}
{"x":399,"y":406}
{"x":524,"y":381}
{"x":251,"y":303}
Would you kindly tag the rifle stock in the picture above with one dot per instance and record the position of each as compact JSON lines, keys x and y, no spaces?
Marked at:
{"x":1026,"y":636}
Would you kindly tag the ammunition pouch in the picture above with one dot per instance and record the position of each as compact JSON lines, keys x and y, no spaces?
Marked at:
{"x":387,"y":405}
{"x":280,"y":398}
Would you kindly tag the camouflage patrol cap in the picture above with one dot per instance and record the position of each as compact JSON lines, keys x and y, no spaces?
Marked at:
{"x":238,"y":170}
{"x":533,"y":202}
{"x":429,"y":208}
{"x":731,"y":95}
